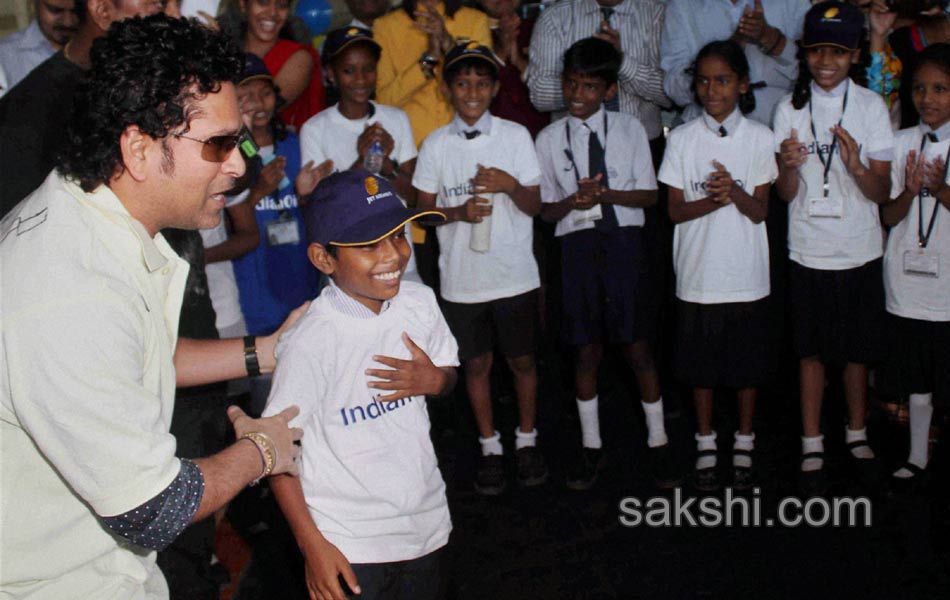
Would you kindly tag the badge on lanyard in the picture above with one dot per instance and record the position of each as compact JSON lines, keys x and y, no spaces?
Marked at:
{"x":825,"y":206}
{"x":921,"y":261}
{"x":282,"y":230}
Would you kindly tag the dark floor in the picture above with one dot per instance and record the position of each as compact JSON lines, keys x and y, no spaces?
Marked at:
{"x":550,"y":543}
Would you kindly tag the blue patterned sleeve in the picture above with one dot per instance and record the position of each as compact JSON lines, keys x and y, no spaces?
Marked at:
{"x":159,"y":521}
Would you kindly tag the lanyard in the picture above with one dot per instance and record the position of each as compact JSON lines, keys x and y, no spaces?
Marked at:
{"x":924,"y":238}
{"x":834,"y":140}
{"x":570,"y":154}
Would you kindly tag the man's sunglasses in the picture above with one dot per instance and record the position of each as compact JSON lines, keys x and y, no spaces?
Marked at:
{"x":217,"y":148}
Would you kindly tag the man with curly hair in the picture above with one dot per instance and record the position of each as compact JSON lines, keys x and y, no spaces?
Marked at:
{"x":89,"y":309}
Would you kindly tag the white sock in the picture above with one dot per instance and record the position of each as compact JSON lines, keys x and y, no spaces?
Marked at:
{"x":705,"y":442}
{"x":590,"y":423}
{"x":921,"y":412}
{"x":859,"y":435}
{"x":491,"y":445}
{"x":525,"y":440}
{"x":743,"y":442}
{"x":656,"y":430}
{"x":813,"y":444}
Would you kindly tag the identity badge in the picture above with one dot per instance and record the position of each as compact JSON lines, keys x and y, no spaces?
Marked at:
{"x":283,"y":230}
{"x":826,"y":207}
{"x":594,"y":213}
{"x":921,"y":262}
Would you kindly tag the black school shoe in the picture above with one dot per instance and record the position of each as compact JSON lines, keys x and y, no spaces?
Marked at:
{"x":665,"y":475}
{"x":583,"y":473}
{"x":532,"y":470}
{"x":813,"y":483}
{"x":906,"y":486}
{"x":490,"y":477}
{"x":869,"y":470}
{"x":706,"y":480}
{"x":742,"y":478}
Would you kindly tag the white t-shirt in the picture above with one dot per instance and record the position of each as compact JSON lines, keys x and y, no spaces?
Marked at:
{"x":627,"y":154}
{"x":446,"y":165}
{"x":856,"y":237}
{"x":723,"y":256}
{"x":87,"y":388}
{"x":330,"y":135}
{"x":368,"y":470}
{"x":910,"y":295}
{"x":221,"y":283}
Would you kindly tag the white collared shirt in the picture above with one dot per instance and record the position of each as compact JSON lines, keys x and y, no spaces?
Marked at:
{"x":23,"y":51}
{"x":917,"y":296}
{"x":627,"y":154}
{"x":855,"y":238}
{"x":483,"y":125}
{"x":447,"y":163}
{"x":691,"y":24}
{"x":723,"y":256}
{"x":86,"y":398}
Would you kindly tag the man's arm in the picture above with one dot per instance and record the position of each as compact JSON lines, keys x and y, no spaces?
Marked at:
{"x":640,"y":73}
{"x":677,"y":51}
{"x":545,"y":57}
{"x":630,"y":198}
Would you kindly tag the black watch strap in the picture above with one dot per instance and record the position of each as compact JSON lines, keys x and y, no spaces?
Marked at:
{"x":251,"y":363}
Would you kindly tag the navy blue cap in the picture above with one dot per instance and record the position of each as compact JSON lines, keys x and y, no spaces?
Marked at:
{"x":473,"y":50}
{"x":833,"y":24}
{"x":254,"y":68}
{"x":340,"y":39}
{"x":356,"y":208}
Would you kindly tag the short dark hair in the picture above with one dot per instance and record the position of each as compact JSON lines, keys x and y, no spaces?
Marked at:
{"x":593,"y":57}
{"x":937,"y":55}
{"x":479,"y":65}
{"x":146,"y":72}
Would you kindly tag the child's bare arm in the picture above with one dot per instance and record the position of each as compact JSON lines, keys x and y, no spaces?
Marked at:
{"x":588,"y":195}
{"x":491,"y":180}
{"x":414,"y":377}
{"x":324,"y":561}
{"x":631,"y":198}
{"x":472,"y":211}
{"x":680,"y":210}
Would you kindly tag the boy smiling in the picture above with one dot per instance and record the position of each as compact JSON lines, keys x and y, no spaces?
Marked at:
{"x":370,"y":504}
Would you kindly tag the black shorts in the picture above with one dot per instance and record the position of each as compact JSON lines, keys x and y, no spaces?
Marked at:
{"x":509,"y":321}
{"x":421,"y":578}
{"x":603,"y":275}
{"x":838,"y":316}
{"x":919,"y":357}
{"x":723,"y":344}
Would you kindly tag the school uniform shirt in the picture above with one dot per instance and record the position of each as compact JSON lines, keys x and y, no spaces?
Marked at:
{"x":856,"y":237}
{"x":691,"y":24}
{"x":330,"y":135}
{"x":627,"y":153}
{"x":368,"y":469}
{"x":722,"y":256}
{"x":910,"y":295}
{"x":447,"y":163}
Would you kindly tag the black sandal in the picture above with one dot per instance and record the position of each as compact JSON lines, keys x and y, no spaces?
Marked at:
{"x":898,"y":486}
{"x":869,"y":469}
{"x":742,"y":478}
{"x":706,"y":480}
{"x":812,"y":483}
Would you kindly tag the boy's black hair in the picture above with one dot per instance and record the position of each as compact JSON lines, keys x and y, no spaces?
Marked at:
{"x":593,"y":57}
{"x":937,"y":55}
{"x":733,"y":55}
{"x":480,"y":66}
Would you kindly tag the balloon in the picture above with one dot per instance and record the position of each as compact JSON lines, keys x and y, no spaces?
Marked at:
{"x":316,"y":14}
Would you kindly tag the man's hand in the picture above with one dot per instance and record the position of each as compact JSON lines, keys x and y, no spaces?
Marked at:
{"x":792,"y":153}
{"x":277,"y":430}
{"x":324,"y":566}
{"x":310,"y":176}
{"x":752,"y":24}
{"x":414,"y":377}
{"x":609,"y":34}
{"x":430,"y":22}
{"x":491,"y":180}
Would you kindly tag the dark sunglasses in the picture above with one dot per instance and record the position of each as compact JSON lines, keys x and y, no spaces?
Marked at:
{"x":217,"y":148}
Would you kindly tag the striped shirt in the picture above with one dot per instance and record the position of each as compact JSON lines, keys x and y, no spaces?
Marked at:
{"x":640,"y":23}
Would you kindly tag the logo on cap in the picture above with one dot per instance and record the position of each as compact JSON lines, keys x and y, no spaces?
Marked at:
{"x":831,"y":13}
{"x":471,"y":45}
{"x":372,"y":186}
{"x":352,"y":31}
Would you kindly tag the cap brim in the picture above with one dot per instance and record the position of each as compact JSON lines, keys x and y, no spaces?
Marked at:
{"x":387,"y":222}
{"x":816,"y":44}
{"x":256,"y":77}
{"x":495,"y":63}
{"x":366,"y":40}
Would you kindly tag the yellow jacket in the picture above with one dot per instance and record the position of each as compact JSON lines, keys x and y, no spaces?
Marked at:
{"x":400,"y":80}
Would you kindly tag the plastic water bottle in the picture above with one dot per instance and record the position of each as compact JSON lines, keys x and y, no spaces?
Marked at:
{"x":374,"y":158}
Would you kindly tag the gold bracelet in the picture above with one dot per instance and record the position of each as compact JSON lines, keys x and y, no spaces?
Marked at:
{"x":268,"y":451}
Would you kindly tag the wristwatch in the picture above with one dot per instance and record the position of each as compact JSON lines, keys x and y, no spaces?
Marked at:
{"x":427,"y":63}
